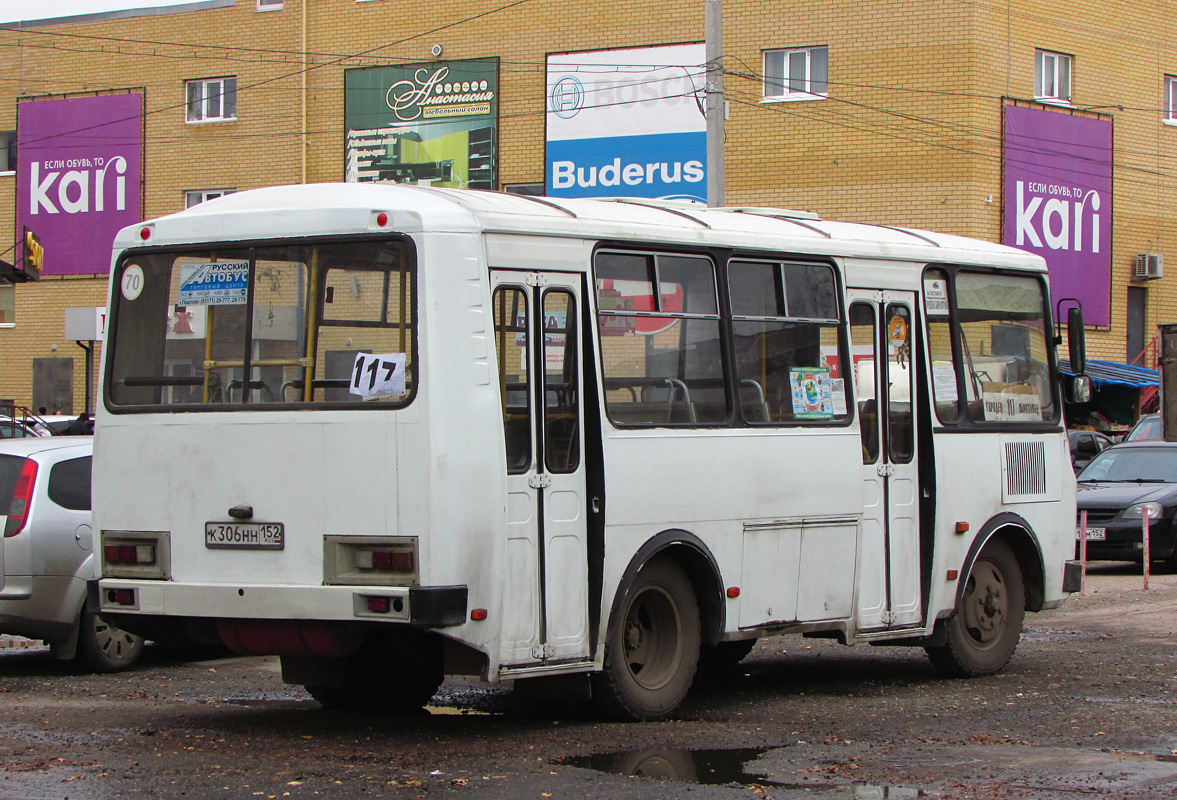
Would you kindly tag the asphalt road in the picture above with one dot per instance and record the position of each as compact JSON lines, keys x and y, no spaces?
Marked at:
{"x":1085,"y":709}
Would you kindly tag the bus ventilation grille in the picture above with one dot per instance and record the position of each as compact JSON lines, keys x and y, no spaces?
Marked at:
{"x":1025,"y":469}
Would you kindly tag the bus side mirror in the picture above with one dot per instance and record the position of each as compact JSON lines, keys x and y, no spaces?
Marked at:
{"x":1079,"y":389}
{"x":1076,"y":343}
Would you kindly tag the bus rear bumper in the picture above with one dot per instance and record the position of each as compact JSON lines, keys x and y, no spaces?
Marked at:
{"x":419,"y":606}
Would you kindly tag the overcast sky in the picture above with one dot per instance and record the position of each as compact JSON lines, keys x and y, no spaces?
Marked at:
{"x":17,"y":10}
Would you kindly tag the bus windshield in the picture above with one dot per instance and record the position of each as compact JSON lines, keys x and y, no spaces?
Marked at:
{"x":314,"y":323}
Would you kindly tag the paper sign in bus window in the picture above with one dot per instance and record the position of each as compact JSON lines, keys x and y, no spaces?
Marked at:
{"x":812,"y":393}
{"x":223,"y":283}
{"x":378,"y":375}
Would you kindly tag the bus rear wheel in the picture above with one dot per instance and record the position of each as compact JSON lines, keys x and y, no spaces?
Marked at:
{"x":393,"y":675}
{"x":652,"y":647}
{"x":983,"y":632}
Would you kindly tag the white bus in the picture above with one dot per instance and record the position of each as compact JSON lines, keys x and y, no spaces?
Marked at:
{"x":390,"y":433}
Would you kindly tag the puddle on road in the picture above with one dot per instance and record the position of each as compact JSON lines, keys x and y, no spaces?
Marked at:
{"x":725,"y":767}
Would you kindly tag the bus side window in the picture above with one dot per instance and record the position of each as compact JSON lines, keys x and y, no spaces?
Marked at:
{"x":944,"y":366}
{"x":510,"y":321}
{"x":863,"y":341}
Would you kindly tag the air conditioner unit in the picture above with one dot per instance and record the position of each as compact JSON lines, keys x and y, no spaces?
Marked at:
{"x":1149,"y":266}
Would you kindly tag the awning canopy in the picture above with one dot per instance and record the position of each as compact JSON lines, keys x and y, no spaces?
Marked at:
{"x":1113,"y":372}
{"x":10,"y":273}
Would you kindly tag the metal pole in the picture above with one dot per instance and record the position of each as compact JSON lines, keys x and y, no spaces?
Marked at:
{"x":715,"y":106}
{"x":1146,"y":554}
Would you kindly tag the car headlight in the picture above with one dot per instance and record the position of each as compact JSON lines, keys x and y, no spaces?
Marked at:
{"x":1155,"y":510}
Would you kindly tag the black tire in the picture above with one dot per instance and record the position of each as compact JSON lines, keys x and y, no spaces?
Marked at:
{"x":103,"y":647}
{"x":725,"y":655}
{"x":652,"y":647}
{"x":398,"y":674}
{"x":983,"y":632}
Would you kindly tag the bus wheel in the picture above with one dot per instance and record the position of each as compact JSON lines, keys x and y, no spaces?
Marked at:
{"x":392,"y":676}
{"x":652,"y":648}
{"x":984,"y":631}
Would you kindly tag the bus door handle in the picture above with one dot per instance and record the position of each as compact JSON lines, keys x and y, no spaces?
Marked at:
{"x":886,"y":470}
{"x":541,"y":481}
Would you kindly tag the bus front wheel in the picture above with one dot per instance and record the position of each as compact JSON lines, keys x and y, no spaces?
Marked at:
{"x":983,"y":632}
{"x":652,"y":647}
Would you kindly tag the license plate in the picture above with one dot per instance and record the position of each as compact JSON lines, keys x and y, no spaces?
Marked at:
{"x":1094,"y":534}
{"x":244,"y":535}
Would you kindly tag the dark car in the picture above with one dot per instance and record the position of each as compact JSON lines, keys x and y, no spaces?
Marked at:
{"x":1086,"y":445}
{"x":1149,"y":427}
{"x":1117,"y":488}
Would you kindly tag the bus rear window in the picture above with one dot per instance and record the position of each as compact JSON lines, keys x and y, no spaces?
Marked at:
{"x":322,"y":323}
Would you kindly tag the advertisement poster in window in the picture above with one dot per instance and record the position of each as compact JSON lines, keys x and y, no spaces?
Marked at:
{"x":627,"y":123}
{"x":78,"y":178}
{"x":1058,"y":200}
{"x":431,"y":124}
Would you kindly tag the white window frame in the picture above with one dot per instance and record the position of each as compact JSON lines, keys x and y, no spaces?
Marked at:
{"x":194,"y":197}
{"x":215,"y":98}
{"x":269,"y":5}
{"x":782,"y":88}
{"x":1051,"y":71}
{"x":1170,"y":117}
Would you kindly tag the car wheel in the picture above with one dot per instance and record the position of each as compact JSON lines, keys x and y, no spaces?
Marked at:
{"x":105,"y":647}
{"x":984,"y":631}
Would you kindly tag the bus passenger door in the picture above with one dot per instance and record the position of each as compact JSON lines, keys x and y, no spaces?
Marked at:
{"x":889,"y":556}
{"x":537,"y":344}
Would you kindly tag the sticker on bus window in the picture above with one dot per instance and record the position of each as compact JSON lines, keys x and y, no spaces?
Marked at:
{"x":378,"y":375}
{"x":812,"y":393}
{"x":936,"y":297}
{"x":223,"y":283}
{"x":1010,"y":403}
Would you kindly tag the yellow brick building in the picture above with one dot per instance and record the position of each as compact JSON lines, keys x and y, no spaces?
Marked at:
{"x":907,"y":129}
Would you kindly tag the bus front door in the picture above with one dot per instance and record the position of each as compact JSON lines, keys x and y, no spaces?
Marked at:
{"x":889,"y":555}
{"x":545,"y":584}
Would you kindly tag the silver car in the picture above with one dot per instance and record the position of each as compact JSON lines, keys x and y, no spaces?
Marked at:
{"x":46,"y":553}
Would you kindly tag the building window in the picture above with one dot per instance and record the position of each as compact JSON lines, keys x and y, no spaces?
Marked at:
{"x":269,"y":5}
{"x":7,"y":304}
{"x":7,"y":151}
{"x":196,"y":196}
{"x":1052,"y":77}
{"x":796,"y":74}
{"x":212,"y":99}
{"x":1171,"y":100}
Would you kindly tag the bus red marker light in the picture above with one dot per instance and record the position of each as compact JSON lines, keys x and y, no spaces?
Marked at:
{"x":478,"y":614}
{"x":962,"y":527}
{"x":145,"y":233}
{"x":381,"y":219}
{"x":122,"y":597}
{"x":952,"y":574}
{"x":379,"y":605}
{"x":733,"y":592}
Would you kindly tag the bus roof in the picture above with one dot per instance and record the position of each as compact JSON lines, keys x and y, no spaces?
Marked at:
{"x":344,"y":208}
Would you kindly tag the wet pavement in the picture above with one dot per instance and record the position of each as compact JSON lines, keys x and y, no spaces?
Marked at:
{"x":1087,"y":708}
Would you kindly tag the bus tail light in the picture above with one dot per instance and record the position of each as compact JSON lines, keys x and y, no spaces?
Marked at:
{"x":121,"y":597}
{"x":385,"y":560}
{"x":129,"y":553}
{"x":136,"y":554}
{"x":22,"y":498}
{"x":371,"y":561}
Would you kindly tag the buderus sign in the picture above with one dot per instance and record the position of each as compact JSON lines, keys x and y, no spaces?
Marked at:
{"x":1058,"y":200}
{"x":627,"y":123}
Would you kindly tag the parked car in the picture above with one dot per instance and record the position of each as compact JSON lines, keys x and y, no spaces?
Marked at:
{"x":15,"y":429}
{"x":46,"y":553}
{"x":1117,"y":488}
{"x":1148,"y":427}
{"x":1086,"y":445}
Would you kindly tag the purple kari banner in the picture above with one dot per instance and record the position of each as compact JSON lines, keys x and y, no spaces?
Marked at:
{"x":78,"y":170}
{"x":1058,"y":201}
